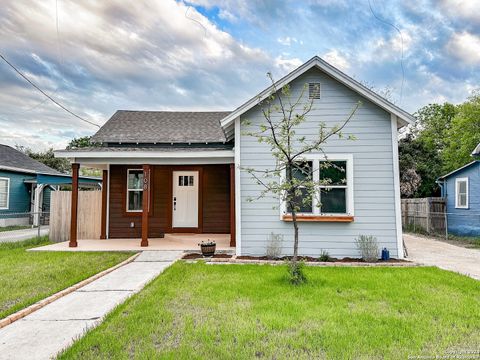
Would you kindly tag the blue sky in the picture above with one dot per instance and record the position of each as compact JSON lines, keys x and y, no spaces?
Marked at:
{"x":213,"y":55}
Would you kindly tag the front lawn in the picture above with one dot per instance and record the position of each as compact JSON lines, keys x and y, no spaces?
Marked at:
{"x":250,"y":311}
{"x":14,"y":227}
{"x":27,"y":277}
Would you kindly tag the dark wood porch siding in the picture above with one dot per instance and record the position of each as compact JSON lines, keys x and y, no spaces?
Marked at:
{"x":215,"y":201}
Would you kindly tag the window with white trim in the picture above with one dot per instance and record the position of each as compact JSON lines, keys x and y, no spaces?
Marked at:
{"x":4,"y":193}
{"x":134,"y":190}
{"x":334,"y":175}
{"x":461,"y":193}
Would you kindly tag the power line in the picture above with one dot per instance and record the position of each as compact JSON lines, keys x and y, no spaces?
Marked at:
{"x":45,"y":94}
{"x":401,"y":38}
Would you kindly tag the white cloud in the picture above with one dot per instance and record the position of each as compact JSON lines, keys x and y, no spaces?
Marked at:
{"x":227,"y":15}
{"x":336,"y":59}
{"x":287,"y":41}
{"x":466,"y":47}
{"x":467,"y":9}
{"x":286,"y":65}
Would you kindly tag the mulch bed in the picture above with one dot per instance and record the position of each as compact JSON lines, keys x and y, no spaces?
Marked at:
{"x":193,"y":256}
{"x":312,"y":259}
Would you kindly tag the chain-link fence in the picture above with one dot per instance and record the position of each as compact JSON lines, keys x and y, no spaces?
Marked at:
{"x":19,"y":226}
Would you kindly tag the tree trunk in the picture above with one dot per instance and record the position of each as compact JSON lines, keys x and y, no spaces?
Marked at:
{"x":295,"y":240}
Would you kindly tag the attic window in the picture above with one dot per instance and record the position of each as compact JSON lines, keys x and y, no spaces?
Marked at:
{"x":314,"y":90}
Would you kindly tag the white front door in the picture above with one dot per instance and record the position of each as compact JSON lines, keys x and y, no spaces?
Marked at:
{"x":185,"y":199}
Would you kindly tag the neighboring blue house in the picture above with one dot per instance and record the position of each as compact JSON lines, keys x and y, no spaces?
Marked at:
{"x":25,"y":187}
{"x":461,"y":189}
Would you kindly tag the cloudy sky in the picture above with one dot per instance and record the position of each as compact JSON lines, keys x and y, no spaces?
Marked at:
{"x":99,"y":56}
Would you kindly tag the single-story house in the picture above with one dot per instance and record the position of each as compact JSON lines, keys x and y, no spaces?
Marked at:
{"x":461,"y":189}
{"x":25,"y":187}
{"x":182,"y":172}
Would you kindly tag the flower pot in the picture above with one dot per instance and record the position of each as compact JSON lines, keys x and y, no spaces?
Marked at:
{"x":208,"y":249}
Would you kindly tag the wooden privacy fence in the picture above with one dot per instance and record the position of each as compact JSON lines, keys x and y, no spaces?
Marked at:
{"x":89,"y":215}
{"x":425,"y":214}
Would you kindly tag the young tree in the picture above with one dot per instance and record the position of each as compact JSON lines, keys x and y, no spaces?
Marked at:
{"x":291,"y":178}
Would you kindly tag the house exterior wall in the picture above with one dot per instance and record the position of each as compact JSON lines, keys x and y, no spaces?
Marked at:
{"x":19,"y":199}
{"x":464,"y":222}
{"x":373,"y":168}
{"x":214,"y":201}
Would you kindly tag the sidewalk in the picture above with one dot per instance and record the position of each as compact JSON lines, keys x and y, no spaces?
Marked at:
{"x":23,"y":234}
{"x":446,"y":256}
{"x":44,"y":333}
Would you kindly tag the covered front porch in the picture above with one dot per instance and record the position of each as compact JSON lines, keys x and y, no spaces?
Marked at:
{"x":159,"y":201}
{"x":185,"y":242}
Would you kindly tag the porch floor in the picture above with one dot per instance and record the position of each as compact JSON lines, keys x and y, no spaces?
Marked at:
{"x":169,"y":242}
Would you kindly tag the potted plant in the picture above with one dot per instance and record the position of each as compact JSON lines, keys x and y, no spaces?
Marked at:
{"x":208,"y":247}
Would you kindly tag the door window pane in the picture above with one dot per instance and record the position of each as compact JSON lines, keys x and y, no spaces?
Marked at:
{"x":333,"y":201}
{"x":190,"y":180}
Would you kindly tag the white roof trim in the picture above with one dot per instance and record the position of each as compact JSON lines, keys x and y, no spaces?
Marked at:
{"x":11,"y":168}
{"x":145,"y":154}
{"x":346,"y":80}
{"x":457,"y":170}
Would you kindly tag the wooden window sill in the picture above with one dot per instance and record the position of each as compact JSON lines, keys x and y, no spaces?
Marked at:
{"x":320,"y":218}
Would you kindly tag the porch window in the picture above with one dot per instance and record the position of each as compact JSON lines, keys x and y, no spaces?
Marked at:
{"x":4,"y":193}
{"x":461,"y":193}
{"x":334,"y":196}
{"x":134,"y":190}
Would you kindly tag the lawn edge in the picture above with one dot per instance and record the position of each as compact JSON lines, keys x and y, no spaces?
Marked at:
{"x":40,"y":304}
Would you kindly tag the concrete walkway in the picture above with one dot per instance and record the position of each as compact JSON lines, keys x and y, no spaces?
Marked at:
{"x":23,"y":234}
{"x":446,"y":256}
{"x":44,"y":333}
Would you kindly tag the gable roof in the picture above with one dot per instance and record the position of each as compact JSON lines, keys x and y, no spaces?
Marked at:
{"x":404,"y":117}
{"x":460,"y":168}
{"x":14,"y":160}
{"x":162,"y":127}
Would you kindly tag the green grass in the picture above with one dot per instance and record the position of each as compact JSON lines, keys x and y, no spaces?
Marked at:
{"x":14,"y":227}
{"x":198,"y":311}
{"x":27,"y":277}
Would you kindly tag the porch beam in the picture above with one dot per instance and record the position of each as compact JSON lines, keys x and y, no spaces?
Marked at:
{"x":74,"y":206}
{"x":145,"y":204}
{"x":103,"y":230}
{"x":232,"y":206}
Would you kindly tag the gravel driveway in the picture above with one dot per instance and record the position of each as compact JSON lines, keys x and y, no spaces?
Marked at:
{"x":427,"y":251}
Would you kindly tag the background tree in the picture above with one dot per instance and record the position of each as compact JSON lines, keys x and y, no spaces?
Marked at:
{"x":47,"y":157}
{"x":463,"y":135}
{"x":283,"y":115}
{"x":81,"y":142}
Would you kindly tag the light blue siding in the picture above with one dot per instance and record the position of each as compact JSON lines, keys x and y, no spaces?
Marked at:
{"x":374,"y":199}
{"x":464,"y":222}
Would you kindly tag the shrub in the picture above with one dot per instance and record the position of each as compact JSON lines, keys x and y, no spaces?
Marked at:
{"x":324,"y":256}
{"x":297,"y":273}
{"x":274,"y":246}
{"x":368,"y":247}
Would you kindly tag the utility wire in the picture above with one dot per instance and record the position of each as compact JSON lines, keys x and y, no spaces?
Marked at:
{"x":401,"y":38}
{"x":45,"y":94}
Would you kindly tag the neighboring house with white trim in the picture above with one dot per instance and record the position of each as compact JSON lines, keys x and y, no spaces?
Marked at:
{"x":461,"y":189}
{"x":25,"y":187}
{"x":171,"y":172}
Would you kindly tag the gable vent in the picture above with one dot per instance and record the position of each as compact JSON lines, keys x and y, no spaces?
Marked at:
{"x":314,"y":90}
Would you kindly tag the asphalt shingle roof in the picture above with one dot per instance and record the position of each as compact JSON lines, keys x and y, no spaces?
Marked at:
{"x":13,"y":158}
{"x":162,"y":127}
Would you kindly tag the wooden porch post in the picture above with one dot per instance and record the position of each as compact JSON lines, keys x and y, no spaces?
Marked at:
{"x":103,"y":230}
{"x":73,"y":217}
{"x":145,"y":203}
{"x":232,"y":205}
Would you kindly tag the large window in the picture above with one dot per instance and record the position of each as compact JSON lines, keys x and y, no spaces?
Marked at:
{"x":134,"y":190}
{"x":334,"y":195}
{"x":461,"y":193}
{"x":4,"y":193}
